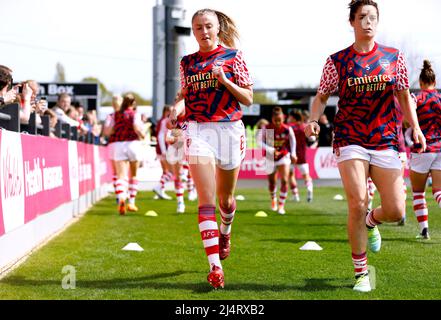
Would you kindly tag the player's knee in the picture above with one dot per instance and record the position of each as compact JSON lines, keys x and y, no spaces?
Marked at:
{"x":358,"y":205}
{"x":226,"y":203}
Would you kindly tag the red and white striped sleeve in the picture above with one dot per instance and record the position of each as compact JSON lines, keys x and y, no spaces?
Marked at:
{"x":329,"y":80}
{"x":182,"y":76}
{"x":402,"y":80}
{"x":241,"y":71}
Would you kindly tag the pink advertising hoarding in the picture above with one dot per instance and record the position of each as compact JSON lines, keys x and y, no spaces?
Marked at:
{"x":38,"y":174}
{"x":46,"y":174}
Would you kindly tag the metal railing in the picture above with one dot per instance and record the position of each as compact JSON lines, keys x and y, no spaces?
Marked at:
{"x":10,"y":120}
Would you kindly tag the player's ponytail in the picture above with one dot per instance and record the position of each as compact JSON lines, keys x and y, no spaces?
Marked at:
{"x":129,"y":100}
{"x":228,"y":33}
{"x":427,"y":74}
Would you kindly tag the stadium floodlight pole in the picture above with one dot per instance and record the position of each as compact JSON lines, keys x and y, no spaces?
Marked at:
{"x":169,"y":28}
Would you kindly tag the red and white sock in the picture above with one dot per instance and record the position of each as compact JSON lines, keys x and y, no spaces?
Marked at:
{"x":227,"y":216}
{"x":179,"y":190}
{"x":360,"y":264}
{"x":273,"y":191}
{"x":121,"y":189}
{"x":294,"y":189}
{"x":133,"y":190}
{"x":420,"y":209}
{"x":282,"y":195}
{"x":437,"y":196}
{"x":166,"y":177}
{"x":190,"y":184}
{"x":309,"y":187}
{"x":114,"y":179}
{"x":370,"y":220}
{"x":209,"y":233}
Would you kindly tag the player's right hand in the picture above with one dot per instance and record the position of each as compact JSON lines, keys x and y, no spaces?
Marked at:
{"x":172,"y":118}
{"x":312,"y":129}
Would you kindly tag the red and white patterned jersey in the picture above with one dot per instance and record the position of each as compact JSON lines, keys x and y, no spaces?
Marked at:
{"x":124,"y":125}
{"x":280,"y":139}
{"x":299,"y":132}
{"x":401,"y":141}
{"x":429,"y":118}
{"x":206,"y":99}
{"x":367,"y":115}
{"x":161,"y":131}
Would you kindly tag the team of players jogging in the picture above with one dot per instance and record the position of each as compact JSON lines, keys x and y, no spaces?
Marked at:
{"x":201,"y":137}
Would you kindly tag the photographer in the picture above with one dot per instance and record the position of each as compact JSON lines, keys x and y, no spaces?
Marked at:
{"x":38,"y":106}
{"x":7,"y":92}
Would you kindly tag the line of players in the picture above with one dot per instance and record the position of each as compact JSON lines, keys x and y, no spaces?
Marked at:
{"x":284,"y":145}
{"x":171,"y":154}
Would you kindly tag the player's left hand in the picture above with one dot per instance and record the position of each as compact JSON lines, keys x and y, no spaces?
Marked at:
{"x":293,"y":159}
{"x":419,"y":140}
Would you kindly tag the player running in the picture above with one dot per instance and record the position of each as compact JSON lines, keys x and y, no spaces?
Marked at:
{"x":279,"y":143}
{"x":215,"y":81}
{"x":421,"y":164}
{"x":295,"y":120}
{"x":366,"y":76}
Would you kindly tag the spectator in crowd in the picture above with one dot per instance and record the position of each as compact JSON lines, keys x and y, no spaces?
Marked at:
{"x":72,"y":113}
{"x":7,"y":92}
{"x":325,"y":134}
{"x":37,"y":105}
{"x":80,"y":109}
{"x":60,"y":109}
{"x":24,"y":98}
{"x":53,"y":119}
{"x":91,"y":123}
{"x":20,"y":93}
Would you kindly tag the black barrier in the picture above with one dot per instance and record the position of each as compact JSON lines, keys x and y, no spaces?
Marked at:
{"x":58,"y":129}
{"x":44,"y":129}
{"x":74,"y":133}
{"x":10,"y":119}
{"x":31,"y":126}
{"x":65,"y":130}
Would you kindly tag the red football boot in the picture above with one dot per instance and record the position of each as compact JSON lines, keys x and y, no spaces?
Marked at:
{"x":216,"y":277}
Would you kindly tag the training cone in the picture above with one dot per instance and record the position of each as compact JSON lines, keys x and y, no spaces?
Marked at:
{"x":133,"y":246}
{"x":261,"y":214}
{"x":240,"y":197}
{"x":311,"y":245}
{"x":338,"y":197}
{"x":151,"y":213}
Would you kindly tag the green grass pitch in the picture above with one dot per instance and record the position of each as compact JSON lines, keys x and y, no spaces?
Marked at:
{"x":265,"y":261}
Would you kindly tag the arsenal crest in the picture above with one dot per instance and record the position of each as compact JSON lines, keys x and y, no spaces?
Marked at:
{"x":385,"y":64}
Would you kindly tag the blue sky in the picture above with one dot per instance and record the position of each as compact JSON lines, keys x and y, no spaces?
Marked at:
{"x":285,"y":42}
